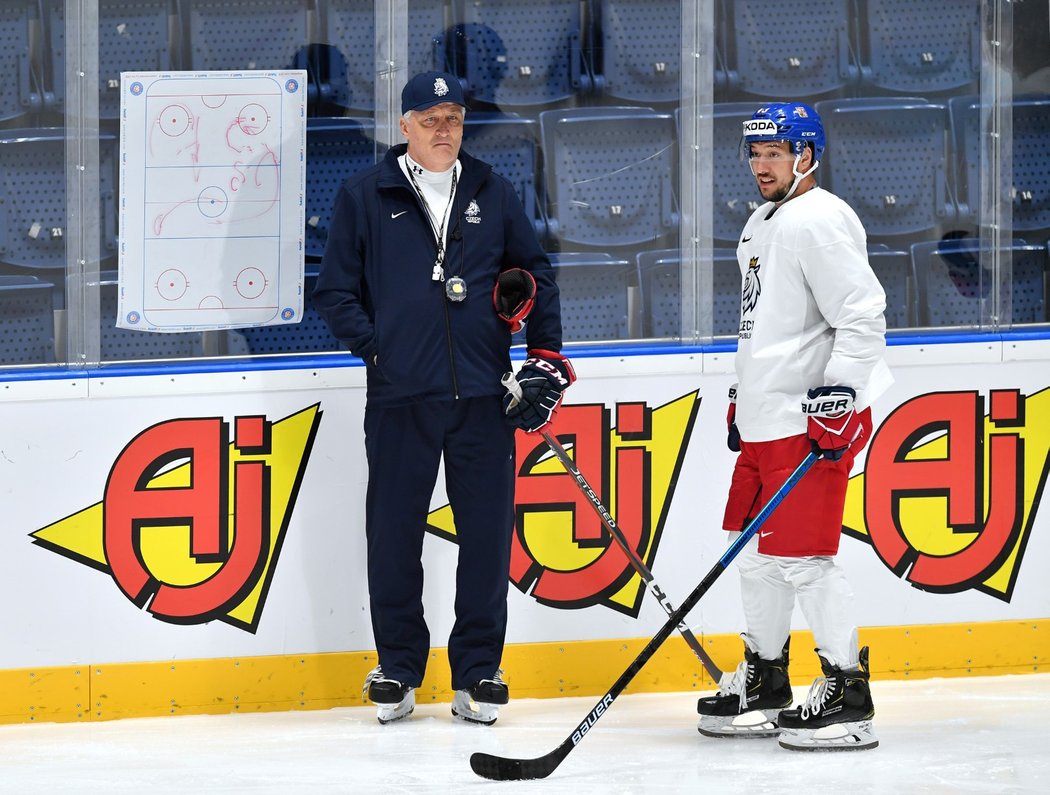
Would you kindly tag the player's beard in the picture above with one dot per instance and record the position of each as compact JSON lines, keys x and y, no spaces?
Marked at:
{"x":778,"y":195}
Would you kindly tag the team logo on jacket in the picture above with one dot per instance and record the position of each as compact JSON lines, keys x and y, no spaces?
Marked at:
{"x":440,"y":87}
{"x":752,"y":287}
{"x":473,"y":212}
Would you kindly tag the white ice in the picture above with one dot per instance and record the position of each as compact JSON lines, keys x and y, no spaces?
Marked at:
{"x":958,"y":735}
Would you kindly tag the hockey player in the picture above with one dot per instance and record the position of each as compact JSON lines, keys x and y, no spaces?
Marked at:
{"x":418,"y":245}
{"x":809,"y":363}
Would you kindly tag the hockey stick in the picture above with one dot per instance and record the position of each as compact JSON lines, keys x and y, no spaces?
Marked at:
{"x":501,"y":768}
{"x":636,"y":561}
{"x":644,"y":572}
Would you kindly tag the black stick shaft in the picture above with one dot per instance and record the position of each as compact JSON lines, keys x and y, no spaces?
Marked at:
{"x":504,"y":769}
{"x":639,"y":565}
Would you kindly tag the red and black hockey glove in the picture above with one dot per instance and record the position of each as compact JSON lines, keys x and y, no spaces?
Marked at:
{"x":833,"y":423}
{"x":733,"y":437}
{"x":536,"y":391}
{"x":513,"y":296}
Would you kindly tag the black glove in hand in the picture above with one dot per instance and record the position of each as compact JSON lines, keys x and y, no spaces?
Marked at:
{"x":833,"y":423}
{"x":514,"y":296}
{"x":542,"y":379}
{"x":733,"y":437}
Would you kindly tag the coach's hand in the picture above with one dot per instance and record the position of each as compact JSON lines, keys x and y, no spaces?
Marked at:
{"x":536,"y":391}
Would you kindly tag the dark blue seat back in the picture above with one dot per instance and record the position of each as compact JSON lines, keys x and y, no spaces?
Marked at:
{"x":523,"y":54}
{"x":923,"y":48}
{"x":610,"y":175}
{"x":247,"y":34}
{"x":952,"y":280}
{"x":779,"y":52}
{"x":349,"y":31}
{"x":336,"y":149}
{"x":659,"y":275}
{"x":19,"y":90}
{"x":893,"y":270}
{"x":133,"y":36}
{"x":641,"y":45}
{"x":594,"y":296}
{"x":1031,"y":159}
{"x":33,"y":182}
{"x":511,"y":146}
{"x":27,"y":321}
{"x":888,"y":160}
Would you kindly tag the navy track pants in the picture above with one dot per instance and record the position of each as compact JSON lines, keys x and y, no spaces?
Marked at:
{"x":404,"y":446}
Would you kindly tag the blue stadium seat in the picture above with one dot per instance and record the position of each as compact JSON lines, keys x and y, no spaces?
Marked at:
{"x":27,"y":321}
{"x":1031,"y":159}
{"x":119,"y":344}
{"x":894,"y":272}
{"x":245,"y":34}
{"x":641,"y":45}
{"x":888,"y":160}
{"x":778,"y":52}
{"x":336,"y":149}
{"x":511,"y":146}
{"x":735,"y":194}
{"x":133,"y":36}
{"x":349,"y":31}
{"x":659,"y":274}
{"x":593,"y":290}
{"x":923,"y":48}
{"x":964,"y":113}
{"x":20,"y":90}
{"x":310,"y":334}
{"x":33,"y":169}
{"x":952,"y":281}
{"x":610,"y":175}
{"x":524,"y":54}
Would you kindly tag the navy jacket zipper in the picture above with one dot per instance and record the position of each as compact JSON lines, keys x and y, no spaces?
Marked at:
{"x":444,"y":306}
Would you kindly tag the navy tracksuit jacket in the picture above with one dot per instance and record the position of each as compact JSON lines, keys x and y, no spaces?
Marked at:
{"x":434,"y":370}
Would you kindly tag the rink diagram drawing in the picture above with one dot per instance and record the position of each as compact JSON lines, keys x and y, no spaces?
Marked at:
{"x":212,"y":176}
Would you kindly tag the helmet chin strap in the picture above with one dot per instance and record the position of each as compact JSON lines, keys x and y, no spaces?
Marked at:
{"x":799,"y":176}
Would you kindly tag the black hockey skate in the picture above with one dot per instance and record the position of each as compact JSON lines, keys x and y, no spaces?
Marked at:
{"x":394,"y":700}
{"x":837,"y":713}
{"x":749,"y":700}
{"x":480,"y":702}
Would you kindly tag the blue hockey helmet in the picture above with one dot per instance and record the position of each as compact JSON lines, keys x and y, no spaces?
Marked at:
{"x":794,"y":122}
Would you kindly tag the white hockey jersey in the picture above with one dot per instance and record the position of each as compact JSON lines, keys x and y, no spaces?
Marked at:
{"x":811,"y":313}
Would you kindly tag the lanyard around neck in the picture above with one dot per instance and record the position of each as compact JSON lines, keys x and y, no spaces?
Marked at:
{"x":438,"y":229}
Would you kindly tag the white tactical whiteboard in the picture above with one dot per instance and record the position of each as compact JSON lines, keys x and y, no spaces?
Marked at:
{"x":212,"y":210}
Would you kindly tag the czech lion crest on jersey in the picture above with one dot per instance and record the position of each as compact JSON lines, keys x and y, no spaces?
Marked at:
{"x":752,"y":287}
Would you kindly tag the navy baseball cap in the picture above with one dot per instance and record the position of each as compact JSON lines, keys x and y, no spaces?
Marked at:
{"x":429,"y":89}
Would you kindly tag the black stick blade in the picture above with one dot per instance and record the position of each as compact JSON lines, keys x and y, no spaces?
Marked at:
{"x":499,"y":768}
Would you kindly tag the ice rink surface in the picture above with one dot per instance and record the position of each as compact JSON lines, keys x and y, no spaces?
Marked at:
{"x":958,"y":735}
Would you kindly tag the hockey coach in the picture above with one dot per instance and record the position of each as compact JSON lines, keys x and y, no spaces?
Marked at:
{"x":431,"y":265}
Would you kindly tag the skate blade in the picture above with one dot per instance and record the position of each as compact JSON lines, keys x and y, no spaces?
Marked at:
{"x":466,"y":709}
{"x":851,"y":736}
{"x":755,"y":724}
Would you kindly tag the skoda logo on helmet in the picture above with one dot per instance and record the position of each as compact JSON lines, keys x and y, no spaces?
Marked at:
{"x":760,"y":127}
